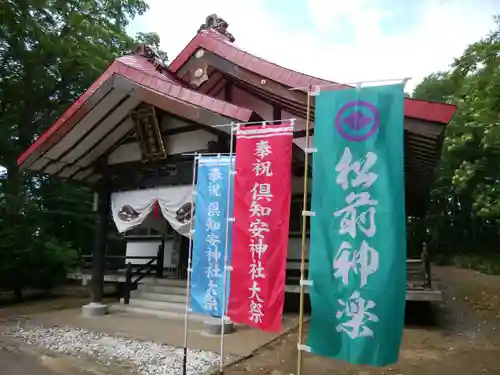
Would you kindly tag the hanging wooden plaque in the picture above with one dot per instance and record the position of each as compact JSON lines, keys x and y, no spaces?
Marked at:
{"x":148,"y":133}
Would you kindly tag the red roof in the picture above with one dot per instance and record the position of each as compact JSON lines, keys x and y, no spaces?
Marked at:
{"x":218,"y":44}
{"x":140,"y":71}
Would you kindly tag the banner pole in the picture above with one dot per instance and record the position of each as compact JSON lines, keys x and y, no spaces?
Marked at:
{"x":303,"y":240}
{"x":188,"y":285}
{"x":260,"y":122}
{"x":348,"y":84}
{"x":226,"y":266}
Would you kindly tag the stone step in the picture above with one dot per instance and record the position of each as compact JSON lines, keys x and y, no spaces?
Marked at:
{"x":157,"y":305}
{"x":121,"y":308}
{"x":170,"y":282}
{"x":163,"y":281}
{"x":162,"y":297}
{"x":161,"y":289}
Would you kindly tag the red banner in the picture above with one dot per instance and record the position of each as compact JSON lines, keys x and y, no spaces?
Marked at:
{"x":262,"y":193}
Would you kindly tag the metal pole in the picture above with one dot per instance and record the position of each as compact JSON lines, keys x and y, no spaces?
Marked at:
{"x":226,"y":266}
{"x":261,"y":122}
{"x":303,"y":243}
{"x":204,"y":154}
{"x":347,"y":84}
{"x":188,"y":286}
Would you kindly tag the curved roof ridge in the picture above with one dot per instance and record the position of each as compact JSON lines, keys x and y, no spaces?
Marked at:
{"x":214,"y":34}
{"x":217,"y":43}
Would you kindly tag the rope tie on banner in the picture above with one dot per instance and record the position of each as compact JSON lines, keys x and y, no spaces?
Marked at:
{"x":156,"y":209}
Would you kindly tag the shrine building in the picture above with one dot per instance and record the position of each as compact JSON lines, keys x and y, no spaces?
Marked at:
{"x":132,"y":134}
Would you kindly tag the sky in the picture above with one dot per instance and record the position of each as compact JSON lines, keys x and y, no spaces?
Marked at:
{"x":342,"y":40}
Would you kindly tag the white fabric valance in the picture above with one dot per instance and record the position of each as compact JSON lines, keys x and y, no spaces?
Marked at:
{"x":131,"y":208}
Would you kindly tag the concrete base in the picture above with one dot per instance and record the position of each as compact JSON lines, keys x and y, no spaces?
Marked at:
{"x":94,"y":309}
{"x":213,"y":326}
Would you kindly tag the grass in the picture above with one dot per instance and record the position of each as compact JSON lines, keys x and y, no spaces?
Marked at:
{"x":485,"y":263}
{"x":489,"y":264}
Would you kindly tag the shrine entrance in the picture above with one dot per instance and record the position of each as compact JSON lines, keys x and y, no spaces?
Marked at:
{"x":156,"y":222}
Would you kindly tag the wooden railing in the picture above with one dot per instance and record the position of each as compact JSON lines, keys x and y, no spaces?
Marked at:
{"x":418,"y":272}
{"x":134,"y":273}
{"x":131,"y":282}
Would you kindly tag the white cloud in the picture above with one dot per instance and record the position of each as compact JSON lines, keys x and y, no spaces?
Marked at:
{"x":443,"y":31}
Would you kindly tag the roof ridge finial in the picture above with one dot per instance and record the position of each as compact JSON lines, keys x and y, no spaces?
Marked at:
{"x":218,"y":24}
{"x":151,"y":55}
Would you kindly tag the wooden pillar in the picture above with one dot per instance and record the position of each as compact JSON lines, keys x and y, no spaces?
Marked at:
{"x":228,"y":92}
{"x":99,"y":251}
{"x":276,"y":113}
{"x":160,"y":258}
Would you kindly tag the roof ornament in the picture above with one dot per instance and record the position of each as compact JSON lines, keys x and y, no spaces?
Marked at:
{"x":150,"y":54}
{"x":216,"y":23}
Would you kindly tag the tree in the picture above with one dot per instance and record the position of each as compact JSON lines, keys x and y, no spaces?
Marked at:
{"x":50,"y":52}
{"x":437,"y":87}
{"x":466,"y":199}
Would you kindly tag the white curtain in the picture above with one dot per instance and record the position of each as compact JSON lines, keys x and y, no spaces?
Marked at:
{"x":132,"y":208}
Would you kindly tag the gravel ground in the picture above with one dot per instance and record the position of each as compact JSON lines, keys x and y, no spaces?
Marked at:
{"x":146,"y":358}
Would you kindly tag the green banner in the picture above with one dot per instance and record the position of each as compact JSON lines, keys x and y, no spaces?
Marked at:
{"x":358,"y":234}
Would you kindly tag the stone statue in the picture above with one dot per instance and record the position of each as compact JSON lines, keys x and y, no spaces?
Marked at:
{"x":218,"y":24}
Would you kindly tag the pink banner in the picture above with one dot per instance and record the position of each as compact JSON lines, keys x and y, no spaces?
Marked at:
{"x":262,"y":193}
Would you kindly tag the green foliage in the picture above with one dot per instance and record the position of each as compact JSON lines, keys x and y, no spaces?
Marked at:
{"x":436,"y":87}
{"x":465,"y":210}
{"x":43,"y":266}
{"x":50,"y":53}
